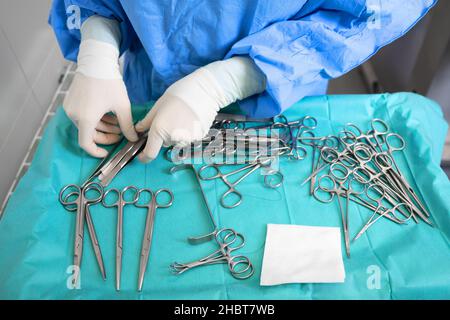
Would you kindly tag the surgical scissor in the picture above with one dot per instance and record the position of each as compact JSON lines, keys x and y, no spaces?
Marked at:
{"x":120,"y":203}
{"x":212,"y":172}
{"x":76,"y":198}
{"x":151,"y":207}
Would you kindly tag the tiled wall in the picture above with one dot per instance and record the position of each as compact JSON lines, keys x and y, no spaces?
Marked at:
{"x":30,"y":67}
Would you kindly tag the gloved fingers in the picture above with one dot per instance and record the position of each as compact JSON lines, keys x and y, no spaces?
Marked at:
{"x":146,"y":123}
{"x":153,"y":146}
{"x":106,"y":138}
{"x":108,"y":128}
{"x":86,"y":134}
{"x":111,"y":119}
{"x":181,"y":137}
{"x":125,"y":119}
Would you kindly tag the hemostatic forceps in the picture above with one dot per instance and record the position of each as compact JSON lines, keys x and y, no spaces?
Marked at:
{"x":212,"y":172}
{"x":228,"y":240}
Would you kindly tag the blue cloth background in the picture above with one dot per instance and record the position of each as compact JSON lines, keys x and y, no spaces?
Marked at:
{"x":36,"y":233}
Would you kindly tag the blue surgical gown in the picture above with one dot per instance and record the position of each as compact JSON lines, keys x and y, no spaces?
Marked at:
{"x":298,"y":45}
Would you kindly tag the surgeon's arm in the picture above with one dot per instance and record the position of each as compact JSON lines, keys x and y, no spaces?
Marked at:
{"x":97,"y":89}
{"x":300,"y":55}
{"x":188,"y":108}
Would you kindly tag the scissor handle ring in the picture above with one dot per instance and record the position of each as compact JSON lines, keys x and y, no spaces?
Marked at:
{"x":309,"y":142}
{"x":330,"y":141}
{"x":273,"y":176}
{"x":379,"y":190}
{"x":166,"y":204}
{"x":347,"y":138}
{"x":395,"y":208}
{"x":381,"y":129}
{"x":329,"y":155}
{"x":205,"y":177}
{"x":231,"y":191}
{"x":316,"y":196}
{"x":124,"y":191}
{"x":147,"y":204}
{"x":324,"y":188}
{"x":236,"y":242}
{"x":222,"y":235}
{"x":234,"y":262}
{"x":62,"y":199}
{"x":348,"y":162}
{"x":71,"y":205}
{"x":384,"y":161}
{"x":391,"y":146}
{"x":105,"y":196}
{"x":280,"y":119}
{"x":298,"y":153}
{"x":310,"y":126}
{"x":362,"y":152}
{"x":339,"y":171}
{"x":362,"y":175}
{"x":354,"y":129}
{"x":352,"y":190}
{"x":93,"y":186}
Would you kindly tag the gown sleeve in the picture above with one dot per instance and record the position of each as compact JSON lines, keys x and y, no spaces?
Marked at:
{"x":67,"y":16}
{"x":323,"y":41}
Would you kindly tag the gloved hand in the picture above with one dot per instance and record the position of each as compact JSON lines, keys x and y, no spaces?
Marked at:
{"x":98,"y":89}
{"x":188,"y":108}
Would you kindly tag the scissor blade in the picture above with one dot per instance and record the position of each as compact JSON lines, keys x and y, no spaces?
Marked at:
{"x":119,"y":244}
{"x":118,"y":267}
{"x":79,"y":235}
{"x":95,"y":243}
{"x":146,"y":243}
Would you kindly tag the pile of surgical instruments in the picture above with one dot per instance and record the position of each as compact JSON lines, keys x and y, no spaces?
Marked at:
{"x":236,"y":139}
{"x":80,"y":199}
{"x":361,"y":167}
{"x":227,"y":240}
{"x":250,"y":144}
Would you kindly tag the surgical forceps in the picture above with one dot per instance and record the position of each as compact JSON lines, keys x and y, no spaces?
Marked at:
{"x":228,"y":240}
{"x":91,"y":193}
{"x":151,"y":207}
{"x":248,"y":169}
{"x":336,"y":188}
{"x":240,"y":266}
{"x":377,"y":196}
{"x":120,"y":203}
{"x":384,"y":162}
{"x":123,"y":158}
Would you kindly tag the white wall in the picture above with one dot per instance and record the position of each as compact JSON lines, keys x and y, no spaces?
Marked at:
{"x":30,"y":66}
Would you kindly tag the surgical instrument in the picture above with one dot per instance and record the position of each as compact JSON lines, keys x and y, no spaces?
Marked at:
{"x":151,"y":207}
{"x":212,"y":172}
{"x":368,"y":159}
{"x":91,"y":193}
{"x":120,"y":203}
{"x":91,"y":229}
{"x":130,"y":152}
{"x":227,"y":240}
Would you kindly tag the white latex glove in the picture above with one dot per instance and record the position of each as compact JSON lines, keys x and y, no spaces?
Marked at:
{"x":188,"y":108}
{"x":98,"y":89}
